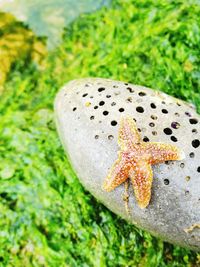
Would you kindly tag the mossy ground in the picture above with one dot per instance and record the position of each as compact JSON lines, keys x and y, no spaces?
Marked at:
{"x":46,"y":217}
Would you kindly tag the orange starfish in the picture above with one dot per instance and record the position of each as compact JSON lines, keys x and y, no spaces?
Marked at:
{"x":135,"y":159}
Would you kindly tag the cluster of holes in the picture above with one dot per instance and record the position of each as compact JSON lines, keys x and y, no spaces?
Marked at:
{"x":168,"y":131}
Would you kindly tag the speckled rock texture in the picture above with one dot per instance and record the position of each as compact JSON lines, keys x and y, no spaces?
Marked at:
{"x":87,"y":116}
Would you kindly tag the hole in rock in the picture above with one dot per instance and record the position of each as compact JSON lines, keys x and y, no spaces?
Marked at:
{"x":192,"y":155}
{"x":113,"y":123}
{"x":146,"y":139}
{"x":164,"y":111}
{"x":154,"y":117}
{"x":130,"y":89}
{"x":153,"y":105}
{"x":105,"y":112}
{"x":92,"y":117}
{"x":195,"y":143}
{"x":194,"y":130}
{"x":74,"y":108}
{"x":188,"y":114}
{"x":198,"y":169}
{"x":129,"y":100}
{"x":140,"y":109}
{"x":167,"y":131}
{"x":101,"y":89}
{"x":110,"y":137}
{"x":166,"y":181}
{"x":182,"y":165}
{"x":193,"y":121}
{"x":121,"y":110}
{"x":154,"y":133}
{"x":175,"y":125}
{"x":84,"y":95}
{"x":173,"y":138}
{"x":96,"y":136}
{"x":142,"y":94}
{"x":101,"y":103}
{"x":151,"y":124}
{"x":108,"y":96}
{"x":113,"y":104}
{"x":95,"y":107}
{"x":187,"y":178}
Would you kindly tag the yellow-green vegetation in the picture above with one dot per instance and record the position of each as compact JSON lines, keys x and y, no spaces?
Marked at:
{"x":17,"y":43}
{"x":46,"y":217}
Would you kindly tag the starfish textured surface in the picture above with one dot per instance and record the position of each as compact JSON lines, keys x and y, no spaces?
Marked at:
{"x":135,"y":159}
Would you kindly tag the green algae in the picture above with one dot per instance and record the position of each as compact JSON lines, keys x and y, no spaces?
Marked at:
{"x":46,"y":217}
{"x":17,"y":44}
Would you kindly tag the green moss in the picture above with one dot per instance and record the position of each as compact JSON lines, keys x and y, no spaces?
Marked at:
{"x":46,"y":217}
{"x":17,"y":44}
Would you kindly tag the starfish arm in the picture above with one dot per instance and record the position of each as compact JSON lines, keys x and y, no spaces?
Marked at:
{"x":128,"y":134}
{"x":141,"y":177}
{"x":162,"y":152}
{"x":117,"y":174}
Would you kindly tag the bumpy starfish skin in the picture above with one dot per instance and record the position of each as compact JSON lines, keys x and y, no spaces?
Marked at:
{"x":135,"y":159}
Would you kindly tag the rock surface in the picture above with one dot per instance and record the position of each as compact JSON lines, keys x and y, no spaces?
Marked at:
{"x":87,"y":115}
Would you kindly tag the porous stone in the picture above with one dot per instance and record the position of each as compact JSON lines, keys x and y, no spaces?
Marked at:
{"x":87,"y":116}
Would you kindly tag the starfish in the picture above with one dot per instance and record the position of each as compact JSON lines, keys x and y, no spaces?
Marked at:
{"x":135,"y":159}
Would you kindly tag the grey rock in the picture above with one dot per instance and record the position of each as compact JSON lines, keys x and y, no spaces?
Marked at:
{"x":87,"y":116}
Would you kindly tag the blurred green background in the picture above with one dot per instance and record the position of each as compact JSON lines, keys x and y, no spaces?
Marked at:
{"x":46,"y":217}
